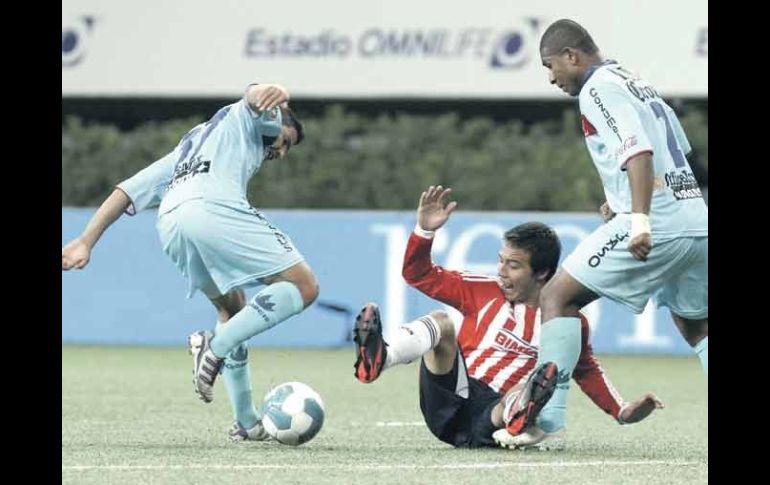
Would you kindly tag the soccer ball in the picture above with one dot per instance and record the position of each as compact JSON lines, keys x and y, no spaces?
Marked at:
{"x":292,"y":413}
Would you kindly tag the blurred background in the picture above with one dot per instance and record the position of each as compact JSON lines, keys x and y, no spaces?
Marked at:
{"x":395,"y":96}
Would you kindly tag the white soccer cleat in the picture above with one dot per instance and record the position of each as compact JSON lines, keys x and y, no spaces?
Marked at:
{"x":532,"y":438}
{"x":239,"y":433}
{"x":206,"y":365}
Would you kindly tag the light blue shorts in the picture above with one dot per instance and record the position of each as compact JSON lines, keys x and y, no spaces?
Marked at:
{"x":675,"y":274}
{"x":219,"y":248}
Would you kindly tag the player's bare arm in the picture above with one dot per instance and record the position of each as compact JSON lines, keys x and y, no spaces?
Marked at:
{"x":433,"y":210}
{"x":640,"y":176}
{"x":77,"y":252}
{"x":263,"y":97}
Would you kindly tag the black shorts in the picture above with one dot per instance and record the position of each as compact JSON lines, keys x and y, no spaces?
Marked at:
{"x":456,"y":408}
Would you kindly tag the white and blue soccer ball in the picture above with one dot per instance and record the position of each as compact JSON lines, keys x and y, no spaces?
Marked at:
{"x":293,"y":413}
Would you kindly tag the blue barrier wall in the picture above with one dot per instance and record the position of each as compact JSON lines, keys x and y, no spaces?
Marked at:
{"x":132,"y":294}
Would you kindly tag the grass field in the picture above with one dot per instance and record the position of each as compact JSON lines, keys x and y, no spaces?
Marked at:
{"x":129,"y":416}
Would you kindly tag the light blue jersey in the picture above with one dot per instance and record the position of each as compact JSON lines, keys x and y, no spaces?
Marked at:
{"x":205,"y":223}
{"x":214,"y":161}
{"x":623,"y":116}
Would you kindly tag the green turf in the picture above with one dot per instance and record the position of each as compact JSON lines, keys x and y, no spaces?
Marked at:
{"x":129,"y":416}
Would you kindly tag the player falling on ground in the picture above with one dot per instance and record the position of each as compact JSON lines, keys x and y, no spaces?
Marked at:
{"x":476,"y":380}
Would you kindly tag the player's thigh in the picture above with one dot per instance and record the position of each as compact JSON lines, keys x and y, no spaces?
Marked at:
{"x":686,"y":293}
{"x":181,"y":248}
{"x":241,"y":247}
{"x":483,"y":401}
{"x":603,"y":264}
{"x":442,"y":401}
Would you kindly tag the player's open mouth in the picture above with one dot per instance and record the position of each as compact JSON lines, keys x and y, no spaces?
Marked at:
{"x":506,"y":286}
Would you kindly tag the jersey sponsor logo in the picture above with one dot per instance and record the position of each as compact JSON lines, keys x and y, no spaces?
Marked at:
{"x":605,"y":112}
{"x":187,"y":170}
{"x":505,"y":340}
{"x":596,"y":259}
{"x":627,"y":145}
{"x":683,"y":184}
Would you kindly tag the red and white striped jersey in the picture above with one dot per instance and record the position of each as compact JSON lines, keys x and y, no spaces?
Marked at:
{"x":498,"y":340}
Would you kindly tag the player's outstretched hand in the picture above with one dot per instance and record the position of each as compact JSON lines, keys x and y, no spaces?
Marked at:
{"x":641,"y":408}
{"x":432,"y":212}
{"x":75,"y":254}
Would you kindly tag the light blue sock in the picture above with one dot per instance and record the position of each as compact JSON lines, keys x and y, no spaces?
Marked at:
{"x":237,"y":377}
{"x":269,"y":307}
{"x":560,"y":344}
{"x":702,"y":349}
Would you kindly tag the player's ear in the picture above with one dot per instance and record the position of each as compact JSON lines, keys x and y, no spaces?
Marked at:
{"x":571,"y":55}
{"x":543,"y":276}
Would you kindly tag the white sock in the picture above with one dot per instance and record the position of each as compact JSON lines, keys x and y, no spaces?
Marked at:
{"x":412,"y":340}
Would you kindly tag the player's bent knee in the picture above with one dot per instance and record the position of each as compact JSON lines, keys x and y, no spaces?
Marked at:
{"x":236,"y":300}
{"x":562,"y":297}
{"x":308,"y":288}
{"x":446,"y":326}
{"x":693,"y":331}
{"x":310,"y":294}
{"x":301,"y":276}
{"x":229,"y":304}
